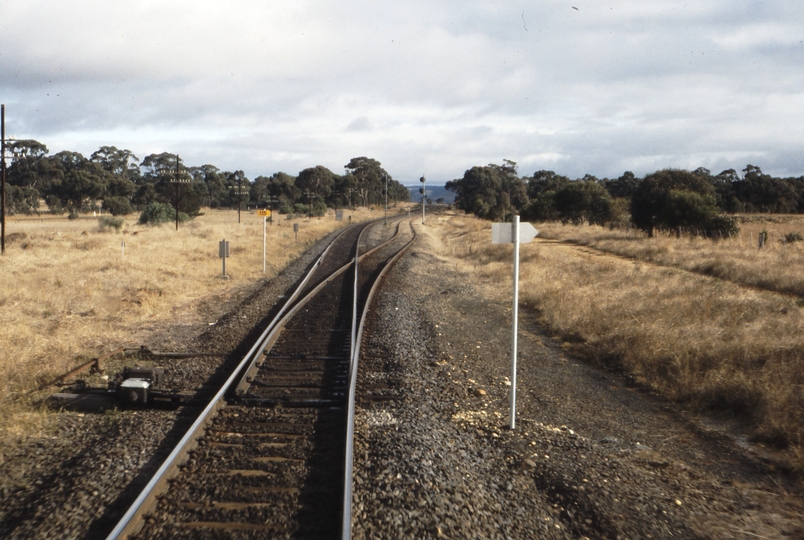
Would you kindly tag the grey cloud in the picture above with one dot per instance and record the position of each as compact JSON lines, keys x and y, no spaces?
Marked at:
{"x":360,"y":123}
{"x":423,"y":86}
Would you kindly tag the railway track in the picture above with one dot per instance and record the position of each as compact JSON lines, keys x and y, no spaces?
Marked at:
{"x":270,"y":455}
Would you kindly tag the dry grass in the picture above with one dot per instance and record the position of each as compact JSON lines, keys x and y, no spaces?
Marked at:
{"x":775,"y":267}
{"x":714,"y":345}
{"x":70,"y":292}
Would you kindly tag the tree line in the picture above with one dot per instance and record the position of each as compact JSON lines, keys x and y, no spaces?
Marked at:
{"x":116,"y":181}
{"x":670,"y":199}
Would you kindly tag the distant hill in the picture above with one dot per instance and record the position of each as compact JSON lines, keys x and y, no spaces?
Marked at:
{"x":433,"y":193}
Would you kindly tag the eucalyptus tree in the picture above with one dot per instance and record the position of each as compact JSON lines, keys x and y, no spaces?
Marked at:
{"x":283,"y":191}
{"x":122,"y":173}
{"x":316,"y":185}
{"x":760,"y":192}
{"x":29,"y":166}
{"x":584,"y":201}
{"x":622,"y":187}
{"x":491,"y":192}
{"x":27,"y":176}
{"x":368,"y":178}
{"x":78,"y":182}
{"x":122,"y":163}
{"x":238,"y":188}
{"x":214,"y":192}
{"x":674,"y":198}
{"x":159,"y":168}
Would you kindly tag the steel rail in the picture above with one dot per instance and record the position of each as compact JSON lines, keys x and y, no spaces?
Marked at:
{"x":147,"y":497}
{"x":346,"y":528}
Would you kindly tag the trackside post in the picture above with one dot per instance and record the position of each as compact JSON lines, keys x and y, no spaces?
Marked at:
{"x":223,"y":252}
{"x":507,"y":233}
{"x":265,"y":215}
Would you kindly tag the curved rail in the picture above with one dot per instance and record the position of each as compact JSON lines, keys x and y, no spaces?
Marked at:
{"x":346,"y":529}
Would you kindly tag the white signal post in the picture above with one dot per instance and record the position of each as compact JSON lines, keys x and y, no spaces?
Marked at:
{"x":423,"y":180}
{"x":506,"y":233}
{"x":265,"y":215}
{"x":514,"y":321}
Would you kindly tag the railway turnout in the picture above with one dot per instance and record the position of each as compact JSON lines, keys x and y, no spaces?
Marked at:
{"x":270,"y":455}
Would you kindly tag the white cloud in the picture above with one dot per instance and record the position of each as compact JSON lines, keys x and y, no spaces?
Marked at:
{"x":423,"y":86}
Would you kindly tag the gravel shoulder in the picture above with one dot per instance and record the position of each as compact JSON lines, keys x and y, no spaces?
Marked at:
{"x":590,"y":456}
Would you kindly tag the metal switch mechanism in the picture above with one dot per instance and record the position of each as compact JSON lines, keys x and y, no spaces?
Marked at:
{"x":134,"y":390}
{"x":137,"y":383}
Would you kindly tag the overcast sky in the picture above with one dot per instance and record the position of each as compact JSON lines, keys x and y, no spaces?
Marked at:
{"x":426,"y":87}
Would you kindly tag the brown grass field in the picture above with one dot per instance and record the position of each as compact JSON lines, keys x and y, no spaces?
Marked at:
{"x":776,"y":267}
{"x":714,"y":326}
{"x":71,"y":292}
{"x":720,"y":346}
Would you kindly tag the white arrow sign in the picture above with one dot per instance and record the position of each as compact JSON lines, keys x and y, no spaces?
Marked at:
{"x":513,"y":233}
{"x":503,"y":233}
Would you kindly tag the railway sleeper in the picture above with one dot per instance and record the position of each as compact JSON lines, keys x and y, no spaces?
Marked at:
{"x":290,"y":401}
{"x":338,"y":382}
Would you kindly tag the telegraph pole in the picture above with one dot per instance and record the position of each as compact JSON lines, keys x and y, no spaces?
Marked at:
{"x":178,"y":180}
{"x":310,"y":202}
{"x":386,"y":199}
{"x":177,"y":192}
{"x":3,"y":182}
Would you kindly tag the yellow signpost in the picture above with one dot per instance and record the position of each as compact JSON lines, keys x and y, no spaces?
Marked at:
{"x":264,"y":213}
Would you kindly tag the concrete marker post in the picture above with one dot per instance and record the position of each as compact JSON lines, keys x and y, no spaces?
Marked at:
{"x":223,"y":252}
{"x":515,"y":320}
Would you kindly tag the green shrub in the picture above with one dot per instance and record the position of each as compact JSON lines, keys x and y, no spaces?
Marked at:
{"x":54,"y":204}
{"x":673,"y":198}
{"x":542,"y":208}
{"x":156,"y":213}
{"x":118,"y":206}
{"x":721,"y":227}
{"x":791,"y":237}
{"x":106,"y":223}
{"x":21,"y":200}
{"x":319,"y":208}
{"x":582,"y":201}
